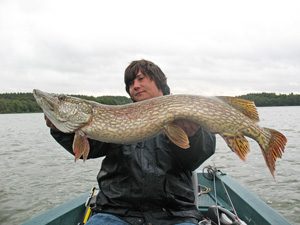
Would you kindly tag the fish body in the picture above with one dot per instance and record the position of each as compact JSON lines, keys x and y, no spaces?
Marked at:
{"x":232,"y":118}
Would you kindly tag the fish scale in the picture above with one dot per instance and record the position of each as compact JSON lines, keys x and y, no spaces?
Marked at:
{"x":232,"y":118}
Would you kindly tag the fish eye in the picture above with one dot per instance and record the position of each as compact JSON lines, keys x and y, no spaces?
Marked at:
{"x":61,"y":97}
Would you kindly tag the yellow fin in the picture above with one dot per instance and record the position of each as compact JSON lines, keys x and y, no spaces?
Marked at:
{"x":238,"y":144}
{"x":81,"y":146}
{"x":274,"y":149}
{"x":177,"y":135}
{"x":246,"y":107}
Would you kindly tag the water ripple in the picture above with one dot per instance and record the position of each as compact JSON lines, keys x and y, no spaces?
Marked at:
{"x":37,"y":174}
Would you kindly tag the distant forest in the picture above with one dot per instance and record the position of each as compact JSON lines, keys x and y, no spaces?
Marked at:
{"x":25,"y":102}
{"x":272,"y":99}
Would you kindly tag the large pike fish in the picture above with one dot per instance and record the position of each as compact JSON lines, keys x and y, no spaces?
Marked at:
{"x":230,"y":117}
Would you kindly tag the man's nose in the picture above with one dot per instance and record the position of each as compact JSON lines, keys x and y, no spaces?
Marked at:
{"x":135,"y":84}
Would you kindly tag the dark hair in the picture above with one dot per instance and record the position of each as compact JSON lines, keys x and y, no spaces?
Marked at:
{"x":149,"y":69}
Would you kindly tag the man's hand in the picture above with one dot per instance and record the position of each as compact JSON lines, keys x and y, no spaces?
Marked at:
{"x":189,"y":127}
{"x":49,"y":123}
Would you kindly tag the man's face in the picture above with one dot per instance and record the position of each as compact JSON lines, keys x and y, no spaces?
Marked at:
{"x":143,"y":88}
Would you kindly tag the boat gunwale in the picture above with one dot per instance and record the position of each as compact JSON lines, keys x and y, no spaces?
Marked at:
{"x":57,"y":214}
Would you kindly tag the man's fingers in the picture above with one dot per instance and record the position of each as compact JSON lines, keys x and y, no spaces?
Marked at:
{"x":188,"y":126}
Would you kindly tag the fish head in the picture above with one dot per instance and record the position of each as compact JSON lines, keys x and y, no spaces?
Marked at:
{"x":67,"y":113}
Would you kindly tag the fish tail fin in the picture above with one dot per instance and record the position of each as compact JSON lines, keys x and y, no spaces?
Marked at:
{"x":81,"y":146}
{"x":274,"y":147}
{"x":238,"y":144}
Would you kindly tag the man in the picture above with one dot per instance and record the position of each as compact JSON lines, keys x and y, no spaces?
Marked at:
{"x":148,"y":182}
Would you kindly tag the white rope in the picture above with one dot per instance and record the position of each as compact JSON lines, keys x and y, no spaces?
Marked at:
{"x":215,"y":192}
{"x":213,"y":171}
{"x":231,"y":203}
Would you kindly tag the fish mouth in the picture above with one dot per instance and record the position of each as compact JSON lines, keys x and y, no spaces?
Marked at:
{"x":50,"y":104}
{"x":46,"y":100}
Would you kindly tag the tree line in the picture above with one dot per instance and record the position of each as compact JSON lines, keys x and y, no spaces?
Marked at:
{"x":272,"y":99}
{"x":25,"y":102}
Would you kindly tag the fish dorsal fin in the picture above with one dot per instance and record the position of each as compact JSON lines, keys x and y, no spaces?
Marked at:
{"x":246,"y":107}
{"x":177,"y":135}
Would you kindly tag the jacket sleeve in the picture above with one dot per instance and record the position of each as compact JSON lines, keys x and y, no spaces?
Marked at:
{"x":202,"y":146}
{"x":97,"y":148}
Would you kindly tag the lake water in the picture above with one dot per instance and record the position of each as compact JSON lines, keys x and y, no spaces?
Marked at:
{"x":37,"y":174}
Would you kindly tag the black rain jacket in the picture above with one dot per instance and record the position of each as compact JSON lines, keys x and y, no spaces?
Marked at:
{"x":148,"y":182}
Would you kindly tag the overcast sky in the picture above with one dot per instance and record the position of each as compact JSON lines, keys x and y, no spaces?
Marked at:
{"x":206,"y":47}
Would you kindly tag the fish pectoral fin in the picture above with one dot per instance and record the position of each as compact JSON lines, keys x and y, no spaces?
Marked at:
{"x":237,"y":144}
{"x":177,"y":135}
{"x":81,"y":146}
{"x":246,"y":107}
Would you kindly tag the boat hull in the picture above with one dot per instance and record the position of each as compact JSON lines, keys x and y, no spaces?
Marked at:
{"x":250,"y":208}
